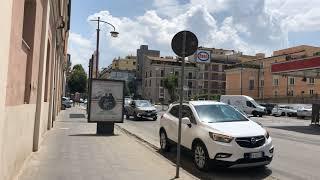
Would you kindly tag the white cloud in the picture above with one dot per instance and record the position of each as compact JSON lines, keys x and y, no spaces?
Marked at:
{"x":80,"y":49}
{"x":296,"y":15}
{"x":248,"y":26}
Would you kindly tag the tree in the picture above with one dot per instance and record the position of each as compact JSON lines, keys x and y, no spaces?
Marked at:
{"x":171,"y":83}
{"x":78,"y":79}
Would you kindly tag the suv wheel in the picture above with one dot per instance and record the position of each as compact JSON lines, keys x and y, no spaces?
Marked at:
{"x":154,"y":118}
{"x":255,"y":113}
{"x":283,"y":114}
{"x":135,"y":117}
{"x":164,"y":142}
{"x":260,"y":114}
{"x":200,"y":156}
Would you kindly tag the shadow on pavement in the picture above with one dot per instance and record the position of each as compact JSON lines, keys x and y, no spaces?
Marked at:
{"x":312,"y":129}
{"x":95,"y":135}
{"x":77,"y":116}
{"x":214,"y":173}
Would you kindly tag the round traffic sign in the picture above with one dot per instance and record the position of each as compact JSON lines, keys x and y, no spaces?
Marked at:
{"x":191,"y":43}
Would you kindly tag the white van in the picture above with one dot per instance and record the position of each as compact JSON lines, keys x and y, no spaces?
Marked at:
{"x":245,"y":103}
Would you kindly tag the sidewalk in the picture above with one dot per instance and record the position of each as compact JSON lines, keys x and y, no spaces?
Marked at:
{"x":72,"y":151}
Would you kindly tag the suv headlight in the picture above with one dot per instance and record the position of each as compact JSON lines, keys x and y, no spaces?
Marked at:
{"x":267,"y":135}
{"x":220,"y":137}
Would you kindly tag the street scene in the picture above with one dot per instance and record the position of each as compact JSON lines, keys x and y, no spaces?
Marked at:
{"x":159,"y":89}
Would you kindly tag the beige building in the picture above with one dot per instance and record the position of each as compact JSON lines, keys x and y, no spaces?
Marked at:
{"x":156,"y":69}
{"x":127,"y":63}
{"x":33,"y":47}
{"x":254,"y":78}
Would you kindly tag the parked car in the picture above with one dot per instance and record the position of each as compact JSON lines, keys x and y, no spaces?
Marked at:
{"x":217,"y":134}
{"x":284,"y":110}
{"x":65,"y":103}
{"x":81,"y":100}
{"x":304,"y":112}
{"x":141,"y":109}
{"x":245,"y":103}
{"x":268,"y":106}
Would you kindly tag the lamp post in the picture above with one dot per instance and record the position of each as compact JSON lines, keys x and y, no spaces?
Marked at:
{"x":113,"y":33}
{"x":102,"y":127}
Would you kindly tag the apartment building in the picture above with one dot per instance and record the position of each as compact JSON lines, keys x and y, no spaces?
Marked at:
{"x":33,"y":55}
{"x":254,"y":78}
{"x":156,"y":69}
{"x":211,"y":77}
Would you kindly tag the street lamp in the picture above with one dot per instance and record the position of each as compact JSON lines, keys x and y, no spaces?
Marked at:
{"x":113,"y":33}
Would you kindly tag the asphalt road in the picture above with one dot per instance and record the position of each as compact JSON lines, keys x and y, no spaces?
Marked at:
{"x":297,"y":150}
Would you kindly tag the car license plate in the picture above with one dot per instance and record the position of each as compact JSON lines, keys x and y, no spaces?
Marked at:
{"x":255,"y":155}
{"x":148,"y":114}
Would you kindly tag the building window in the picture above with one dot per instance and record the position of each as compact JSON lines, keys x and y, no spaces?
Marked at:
{"x":251,"y":84}
{"x":206,"y":75}
{"x":176,"y":73}
{"x":291,"y":81}
{"x":206,"y":67}
{"x":145,"y":83}
{"x":311,"y":80}
{"x":162,"y":73}
{"x":150,"y":83}
{"x":190,"y":84}
{"x":261,"y":83}
{"x":276,"y":82}
{"x":146,"y":76}
{"x":205,"y":84}
{"x":190,"y":75}
{"x":275,"y":93}
{"x":161,"y":83}
{"x":150,"y":74}
{"x":311,"y":91}
{"x":215,"y":67}
{"x":134,"y":63}
{"x":290,"y":93}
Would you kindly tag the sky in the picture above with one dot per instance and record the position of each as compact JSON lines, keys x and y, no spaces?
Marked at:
{"x":249,"y":26}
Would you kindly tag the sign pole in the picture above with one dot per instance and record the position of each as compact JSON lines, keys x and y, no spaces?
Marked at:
{"x":181,"y":101}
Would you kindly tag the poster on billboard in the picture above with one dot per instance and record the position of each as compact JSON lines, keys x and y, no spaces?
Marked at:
{"x":203,"y":56}
{"x":106,"y":101}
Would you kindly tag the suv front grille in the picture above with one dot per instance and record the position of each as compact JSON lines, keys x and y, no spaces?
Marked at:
{"x":251,"y":142}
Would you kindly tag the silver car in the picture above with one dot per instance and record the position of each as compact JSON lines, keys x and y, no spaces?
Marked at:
{"x":141,"y":109}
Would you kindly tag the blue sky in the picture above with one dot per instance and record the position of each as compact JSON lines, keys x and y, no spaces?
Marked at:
{"x":250,"y":26}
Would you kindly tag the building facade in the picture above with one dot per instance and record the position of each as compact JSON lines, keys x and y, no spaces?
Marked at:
{"x":211,"y":77}
{"x":254,"y":78}
{"x":33,"y":58}
{"x":156,"y":69}
{"x":128,"y":63}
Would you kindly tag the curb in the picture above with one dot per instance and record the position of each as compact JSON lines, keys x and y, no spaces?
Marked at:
{"x":137,"y":137}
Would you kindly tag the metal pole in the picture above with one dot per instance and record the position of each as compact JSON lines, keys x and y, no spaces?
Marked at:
{"x":241,"y":79}
{"x":181,"y":101}
{"x":97,"y":48}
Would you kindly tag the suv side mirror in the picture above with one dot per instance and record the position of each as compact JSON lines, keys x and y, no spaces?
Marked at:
{"x":186,"y":121}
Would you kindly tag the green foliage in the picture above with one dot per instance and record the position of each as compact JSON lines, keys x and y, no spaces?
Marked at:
{"x":171,"y":84}
{"x":77,"y":81}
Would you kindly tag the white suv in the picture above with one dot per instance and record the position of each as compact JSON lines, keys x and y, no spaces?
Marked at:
{"x":217,"y":134}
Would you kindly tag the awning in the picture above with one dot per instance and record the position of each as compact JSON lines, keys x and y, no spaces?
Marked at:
{"x":308,"y":67}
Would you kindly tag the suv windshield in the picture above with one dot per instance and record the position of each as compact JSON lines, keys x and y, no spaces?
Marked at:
{"x":218,"y":113}
{"x":143,"y":103}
